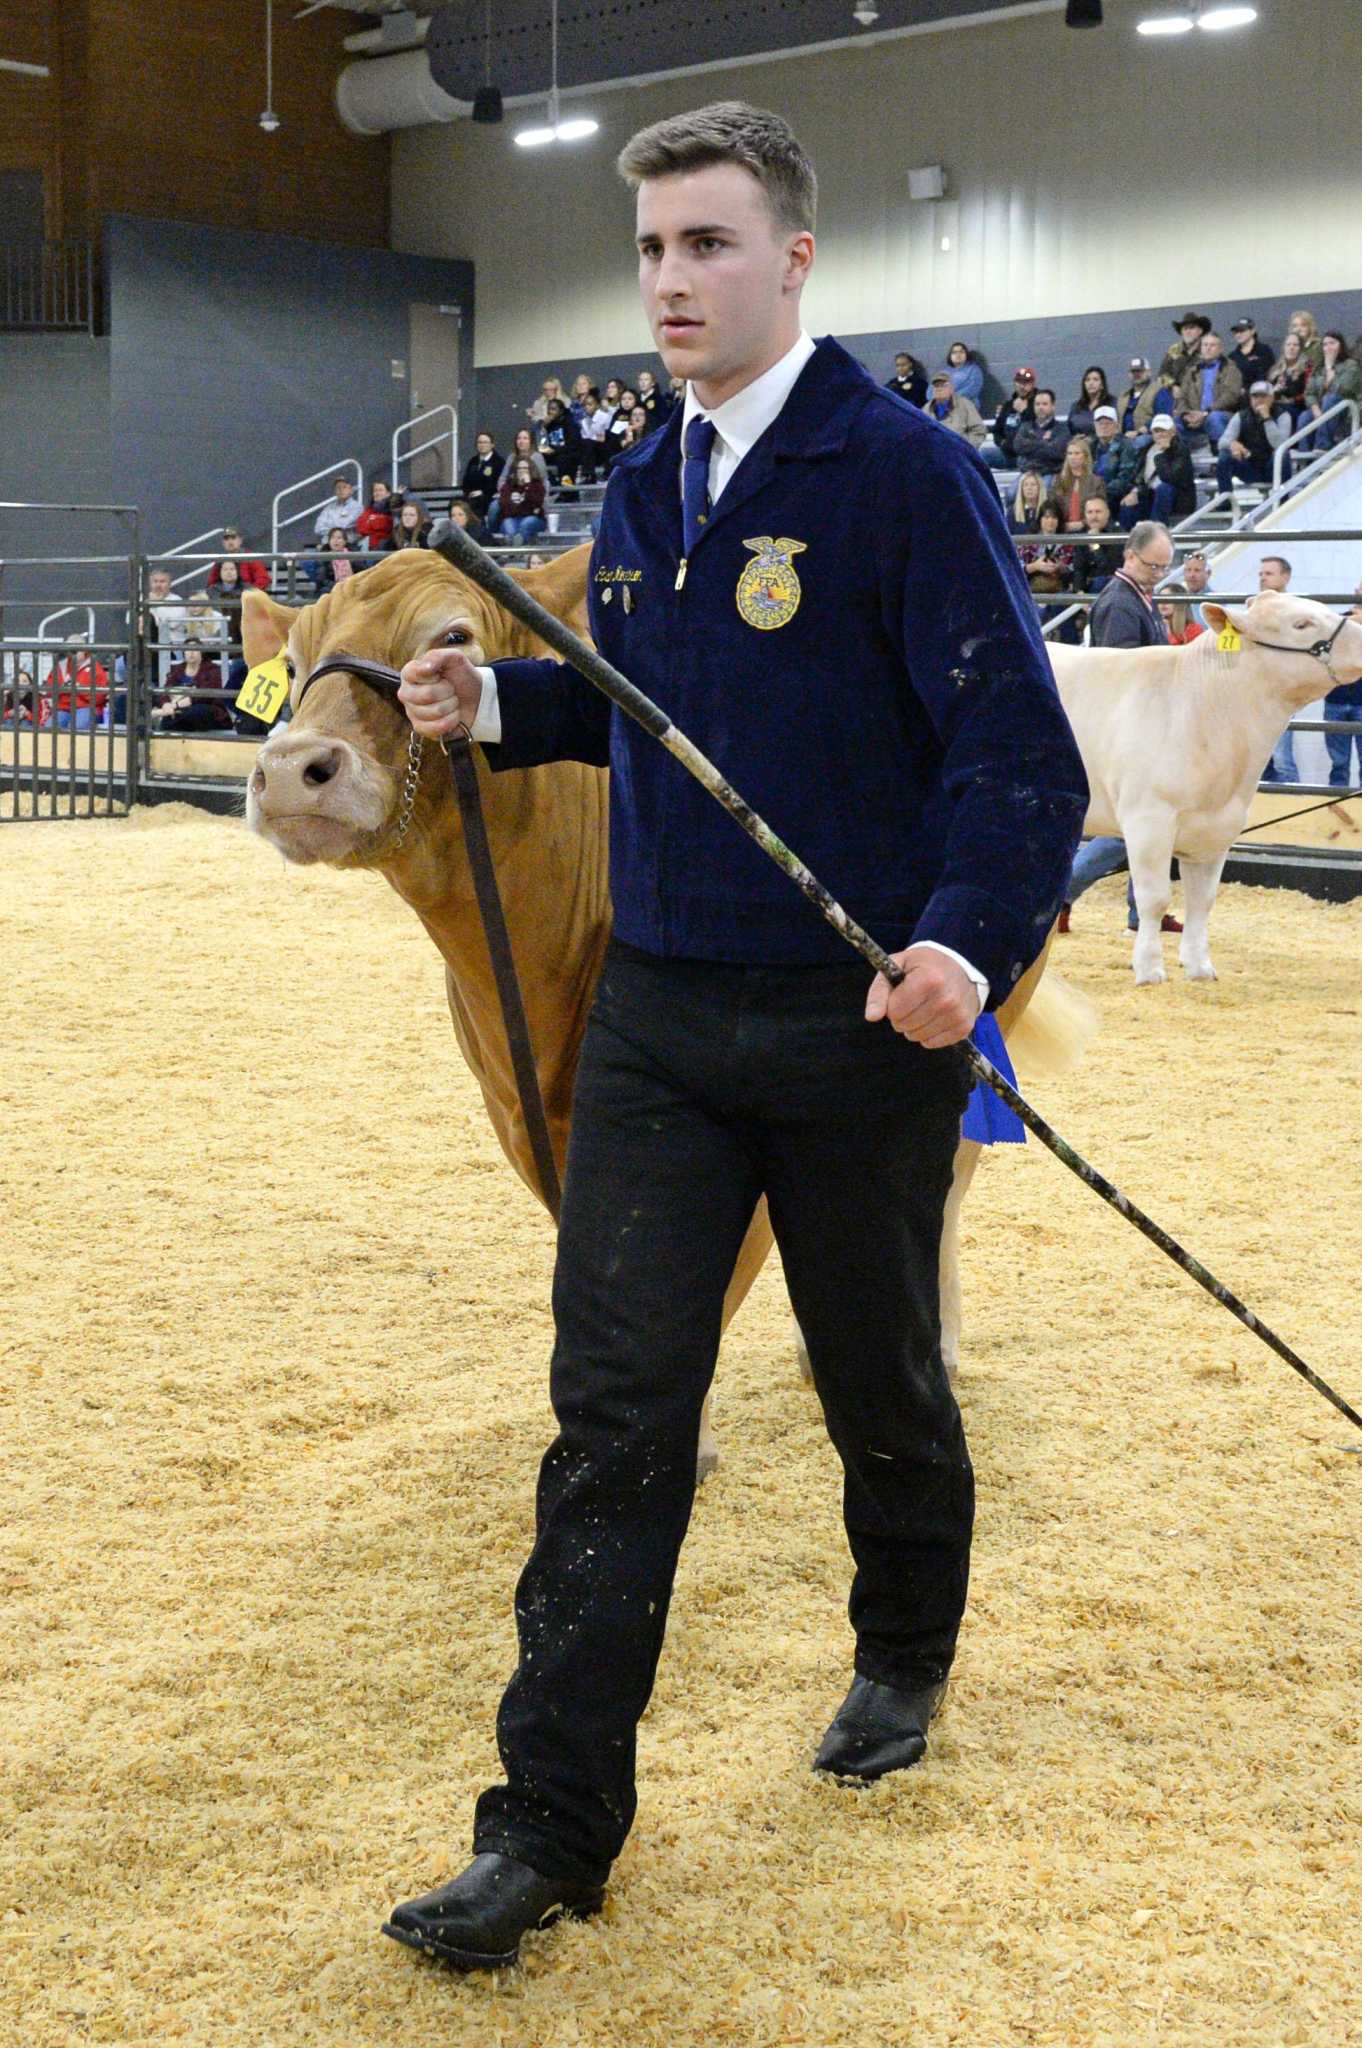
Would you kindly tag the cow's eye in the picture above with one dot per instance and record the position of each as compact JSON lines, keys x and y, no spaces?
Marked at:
{"x":1302,"y":625}
{"x":457,"y":636}
{"x":289,"y":670}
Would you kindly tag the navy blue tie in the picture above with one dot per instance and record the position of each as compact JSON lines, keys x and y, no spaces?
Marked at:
{"x":700,"y":438}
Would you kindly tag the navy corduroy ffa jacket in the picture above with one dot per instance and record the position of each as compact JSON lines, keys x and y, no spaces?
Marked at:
{"x":854,"y":646}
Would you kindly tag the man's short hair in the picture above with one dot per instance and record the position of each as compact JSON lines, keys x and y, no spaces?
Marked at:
{"x":1144,"y":533}
{"x":729,"y":132}
{"x":1280,"y":560}
{"x":1044,"y":391}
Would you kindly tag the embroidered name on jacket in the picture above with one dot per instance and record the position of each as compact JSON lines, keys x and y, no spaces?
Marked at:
{"x":768,"y":589}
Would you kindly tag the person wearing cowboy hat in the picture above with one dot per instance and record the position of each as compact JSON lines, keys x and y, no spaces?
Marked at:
{"x":1185,"y":350}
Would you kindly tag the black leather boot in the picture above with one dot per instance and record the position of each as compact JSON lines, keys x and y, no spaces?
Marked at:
{"x":878,"y":1729}
{"x":476,"y":1920}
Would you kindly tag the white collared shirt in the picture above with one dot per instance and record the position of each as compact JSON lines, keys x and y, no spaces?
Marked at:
{"x":739,"y":424}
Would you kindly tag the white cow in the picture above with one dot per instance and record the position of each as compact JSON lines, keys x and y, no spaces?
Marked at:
{"x":1174,"y":741}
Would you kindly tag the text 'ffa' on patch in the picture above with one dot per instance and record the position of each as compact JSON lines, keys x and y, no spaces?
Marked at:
{"x":265,"y":690}
{"x":768,"y":589}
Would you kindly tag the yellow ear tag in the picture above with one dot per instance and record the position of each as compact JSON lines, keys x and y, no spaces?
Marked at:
{"x":1228,"y":643}
{"x":265,"y":690}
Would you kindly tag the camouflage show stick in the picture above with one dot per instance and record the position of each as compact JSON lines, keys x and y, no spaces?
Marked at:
{"x":464,"y":554}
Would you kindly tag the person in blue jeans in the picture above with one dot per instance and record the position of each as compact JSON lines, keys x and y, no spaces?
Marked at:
{"x":1345,"y":703}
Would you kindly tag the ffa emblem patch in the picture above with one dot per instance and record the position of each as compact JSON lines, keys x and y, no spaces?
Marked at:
{"x":768,"y":589}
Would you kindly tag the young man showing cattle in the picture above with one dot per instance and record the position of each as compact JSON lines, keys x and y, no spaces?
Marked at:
{"x":815,"y":581}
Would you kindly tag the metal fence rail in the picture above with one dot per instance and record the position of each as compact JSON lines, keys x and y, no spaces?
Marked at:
{"x":48,"y":287}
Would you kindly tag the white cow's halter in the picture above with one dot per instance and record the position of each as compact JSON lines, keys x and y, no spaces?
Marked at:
{"x":1321,"y":651}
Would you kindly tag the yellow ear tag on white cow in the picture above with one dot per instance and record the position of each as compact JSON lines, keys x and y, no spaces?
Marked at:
{"x":265,"y":690}
{"x":1228,"y":643}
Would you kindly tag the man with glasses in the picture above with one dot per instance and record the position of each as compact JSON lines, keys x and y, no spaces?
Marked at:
{"x":1125,"y":615}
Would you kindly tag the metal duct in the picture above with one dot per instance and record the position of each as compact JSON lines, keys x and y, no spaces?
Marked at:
{"x":382,"y":93}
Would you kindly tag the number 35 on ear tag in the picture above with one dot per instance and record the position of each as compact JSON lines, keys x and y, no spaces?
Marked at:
{"x":265,"y":690}
{"x":1229,"y":641}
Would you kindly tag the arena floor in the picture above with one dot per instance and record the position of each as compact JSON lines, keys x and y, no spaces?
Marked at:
{"x":274,"y":1341}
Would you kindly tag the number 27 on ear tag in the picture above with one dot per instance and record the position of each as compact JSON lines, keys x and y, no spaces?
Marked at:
{"x":1229,"y":641}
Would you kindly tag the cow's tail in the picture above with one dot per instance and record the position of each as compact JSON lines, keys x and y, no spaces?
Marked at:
{"x":1054,"y":1030}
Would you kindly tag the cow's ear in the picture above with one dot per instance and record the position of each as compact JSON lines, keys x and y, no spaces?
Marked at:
{"x":265,"y":626}
{"x":1215,"y":616}
{"x":560,"y":587}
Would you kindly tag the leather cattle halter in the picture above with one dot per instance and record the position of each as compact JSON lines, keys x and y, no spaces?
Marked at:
{"x":1320,"y":650}
{"x":458,"y":745}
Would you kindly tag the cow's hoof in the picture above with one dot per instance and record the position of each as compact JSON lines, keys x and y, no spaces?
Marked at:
{"x":1146,"y":977}
{"x":803,"y":1361}
{"x":950,"y":1358}
{"x":1198,"y":970}
{"x":706,"y":1463}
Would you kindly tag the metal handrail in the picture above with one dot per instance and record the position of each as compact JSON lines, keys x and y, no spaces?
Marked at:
{"x":451,"y":435}
{"x":52,"y":617}
{"x":1313,"y":427}
{"x":332,"y":469}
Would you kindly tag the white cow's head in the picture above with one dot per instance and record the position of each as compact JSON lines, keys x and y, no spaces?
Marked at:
{"x":1309,"y":649}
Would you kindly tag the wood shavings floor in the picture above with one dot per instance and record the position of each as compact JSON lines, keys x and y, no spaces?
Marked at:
{"x":272,"y":1359}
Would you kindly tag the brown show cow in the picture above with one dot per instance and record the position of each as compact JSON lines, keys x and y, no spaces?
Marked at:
{"x":329,"y":786}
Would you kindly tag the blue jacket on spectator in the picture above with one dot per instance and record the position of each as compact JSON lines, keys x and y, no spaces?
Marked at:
{"x":853,"y":644}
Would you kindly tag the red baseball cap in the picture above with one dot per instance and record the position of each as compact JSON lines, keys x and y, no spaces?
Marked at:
{"x":1017,"y":375}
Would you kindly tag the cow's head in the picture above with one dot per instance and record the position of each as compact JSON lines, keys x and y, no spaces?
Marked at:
{"x":1291,"y":632}
{"x":328,"y":786}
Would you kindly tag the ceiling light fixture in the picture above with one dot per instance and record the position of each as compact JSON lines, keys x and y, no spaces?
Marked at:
{"x":558,"y":130}
{"x":1212,"y":19}
{"x":1083,"y":14}
{"x":269,"y":120}
{"x":865,"y":13}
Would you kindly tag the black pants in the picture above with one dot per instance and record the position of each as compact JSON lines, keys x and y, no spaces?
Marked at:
{"x":701,"y":1087}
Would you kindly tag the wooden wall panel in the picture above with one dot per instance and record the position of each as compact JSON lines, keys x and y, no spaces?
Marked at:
{"x":154,"y":109}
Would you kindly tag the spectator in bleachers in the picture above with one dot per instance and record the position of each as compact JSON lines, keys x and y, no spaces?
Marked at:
{"x":1209,"y":391}
{"x":657,"y":406}
{"x":341,"y":509}
{"x":522,"y":506}
{"x":1015,"y":411}
{"x":248,"y":568}
{"x":539,"y":411}
{"x":1274,"y":573}
{"x":955,"y":411}
{"x":461,"y":513}
{"x":1077,"y":481}
{"x":967,"y":376}
{"x":482,"y":474}
{"x":1094,"y":566}
{"x":591,"y":430}
{"x":412,"y":526}
{"x":581,"y":384}
{"x":610,"y":398}
{"x":20,"y":703}
{"x":1048,"y":559}
{"x":1176,"y":614}
{"x":1289,"y":376}
{"x":1026,"y":503}
{"x":1250,"y":440}
{"x":618,"y":424}
{"x":1196,"y":577}
{"x":203,"y":623}
{"x":375,"y":522}
{"x":1167,"y":487}
{"x":560,"y":444}
{"x":1136,"y":404}
{"x":909,"y":379}
{"x":179,"y":712}
{"x":1040,"y":442}
{"x":166,"y":626}
{"x":228,"y":596}
{"x":1185,"y":352}
{"x":1338,"y":377}
{"x":1251,"y":358}
{"x":523,"y":450}
{"x":620,"y":444}
{"x":1344,"y":702}
{"x":1114,"y":459}
{"x":334,"y":565}
{"x":77,"y":690}
{"x":1304,"y":325}
{"x":1092,"y":393}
